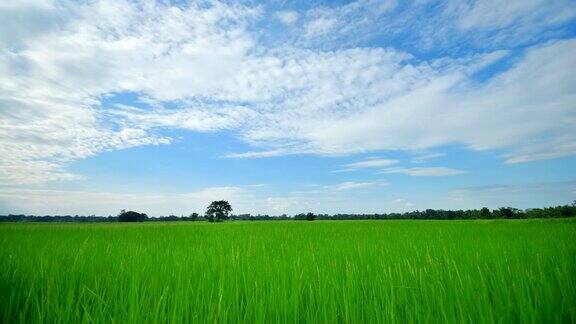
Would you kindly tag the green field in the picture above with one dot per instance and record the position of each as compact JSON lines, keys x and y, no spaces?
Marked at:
{"x":331,"y":271}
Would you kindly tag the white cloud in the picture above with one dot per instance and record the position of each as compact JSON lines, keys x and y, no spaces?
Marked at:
{"x":261,"y":154}
{"x":350,"y":185}
{"x":356,"y":19}
{"x":320,"y":26}
{"x":497,"y":24}
{"x":55,"y":76}
{"x":453,"y":25}
{"x":428,"y":107}
{"x":279,"y":205}
{"x":407,"y":205}
{"x":60,"y":202}
{"x":371,"y":163}
{"x":254,"y":199}
{"x":24,"y":20}
{"x":523,"y":195}
{"x":51,"y":82}
{"x":368,"y":163}
{"x":31,"y":171}
{"x":287,"y":17}
{"x":425,"y":171}
{"x":525,"y":14}
{"x":426,"y":156}
{"x":205,"y":196}
{"x":541,"y":150}
{"x":202,"y":118}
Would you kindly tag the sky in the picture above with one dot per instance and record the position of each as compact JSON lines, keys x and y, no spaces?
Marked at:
{"x":284,"y":107}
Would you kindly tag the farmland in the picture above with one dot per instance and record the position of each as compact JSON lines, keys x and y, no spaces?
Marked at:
{"x":291,"y":271}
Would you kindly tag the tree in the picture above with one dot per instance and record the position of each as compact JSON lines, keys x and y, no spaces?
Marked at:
{"x":193,"y":217}
{"x":218,"y":211}
{"x":485,"y":213}
{"x":131,"y":216}
{"x":310,"y":217}
{"x":507,"y":212}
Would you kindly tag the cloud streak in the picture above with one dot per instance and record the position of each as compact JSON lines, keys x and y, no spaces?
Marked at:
{"x":367,"y":164}
{"x":424,"y":171}
{"x":351,"y":185}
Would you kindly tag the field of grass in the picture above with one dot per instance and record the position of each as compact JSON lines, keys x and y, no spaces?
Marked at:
{"x":348,"y":271}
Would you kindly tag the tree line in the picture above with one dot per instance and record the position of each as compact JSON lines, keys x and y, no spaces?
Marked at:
{"x":219,"y":211}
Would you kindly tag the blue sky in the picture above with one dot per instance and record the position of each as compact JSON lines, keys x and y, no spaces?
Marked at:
{"x":286,"y":107}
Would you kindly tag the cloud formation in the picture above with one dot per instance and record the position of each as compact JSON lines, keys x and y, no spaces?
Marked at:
{"x":205,"y":67}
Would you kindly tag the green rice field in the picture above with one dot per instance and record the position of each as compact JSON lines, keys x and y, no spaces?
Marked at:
{"x":502,"y":271}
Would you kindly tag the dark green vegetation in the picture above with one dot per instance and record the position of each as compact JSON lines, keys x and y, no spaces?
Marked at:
{"x":219,"y":210}
{"x":131,"y":216}
{"x":355,"y":271}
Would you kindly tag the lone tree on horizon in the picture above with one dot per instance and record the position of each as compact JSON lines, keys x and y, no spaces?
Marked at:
{"x":218,"y":211}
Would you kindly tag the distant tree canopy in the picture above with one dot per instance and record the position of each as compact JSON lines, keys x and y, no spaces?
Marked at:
{"x":131,"y":216}
{"x":218,"y":211}
{"x":307,"y":216}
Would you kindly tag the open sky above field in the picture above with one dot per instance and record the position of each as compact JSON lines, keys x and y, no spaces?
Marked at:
{"x":286,"y":106}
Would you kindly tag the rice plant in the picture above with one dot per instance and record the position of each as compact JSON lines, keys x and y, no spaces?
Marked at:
{"x":290,"y":272}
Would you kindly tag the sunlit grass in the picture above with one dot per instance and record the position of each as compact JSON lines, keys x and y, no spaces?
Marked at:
{"x":349,"y":271}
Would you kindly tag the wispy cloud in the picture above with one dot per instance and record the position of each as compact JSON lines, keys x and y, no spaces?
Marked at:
{"x":424,"y":172}
{"x":436,"y":25}
{"x":526,"y":15}
{"x":531,"y":194}
{"x":287,"y":17}
{"x":368,"y":163}
{"x":258,"y":154}
{"x":403,"y":202}
{"x":425,"y":157}
{"x":332,"y":23}
{"x":350,"y":185}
